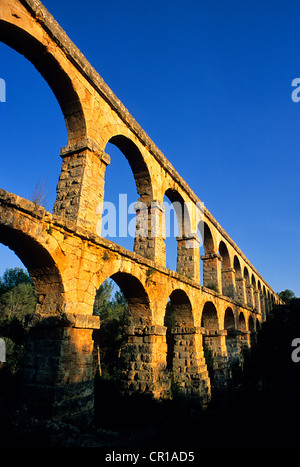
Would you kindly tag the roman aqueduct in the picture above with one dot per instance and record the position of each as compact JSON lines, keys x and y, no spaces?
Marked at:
{"x":68,"y":260}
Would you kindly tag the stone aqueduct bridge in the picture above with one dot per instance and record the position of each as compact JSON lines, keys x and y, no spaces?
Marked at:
{"x":68,"y":260}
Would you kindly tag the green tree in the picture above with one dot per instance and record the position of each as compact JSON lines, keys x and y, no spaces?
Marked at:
{"x":102,"y":304}
{"x":113,"y":311}
{"x":12,"y":277}
{"x":17,"y":302}
{"x":17,"y":296}
{"x":287,"y":295}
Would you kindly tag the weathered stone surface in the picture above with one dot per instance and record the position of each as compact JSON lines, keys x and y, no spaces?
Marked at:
{"x":68,"y":260}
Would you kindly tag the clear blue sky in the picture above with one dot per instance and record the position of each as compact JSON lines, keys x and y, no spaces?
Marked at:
{"x":210,"y":82}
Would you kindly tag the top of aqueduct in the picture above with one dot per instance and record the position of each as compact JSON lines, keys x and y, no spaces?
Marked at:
{"x":95,"y":116}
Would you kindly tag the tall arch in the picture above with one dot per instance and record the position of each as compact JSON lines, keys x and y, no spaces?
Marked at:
{"x":209,"y":318}
{"x":138,"y":343}
{"x":179,"y":312}
{"x":214,"y":344}
{"x":229,"y":321}
{"x":138,"y":165}
{"x":227,"y":272}
{"x":137,"y":298}
{"x":41,"y":268}
{"x":210,"y":259}
{"x":38,"y":43}
{"x":126,"y":208}
{"x":41,"y":57}
{"x":179,"y":242}
{"x":239,"y":280}
{"x":233,"y":343}
{"x":249,"y":288}
{"x":185,"y":363}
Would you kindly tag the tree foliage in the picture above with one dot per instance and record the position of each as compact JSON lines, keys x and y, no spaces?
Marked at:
{"x":113,"y":310}
{"x":287,"y":295}
{"x":17,"y":305}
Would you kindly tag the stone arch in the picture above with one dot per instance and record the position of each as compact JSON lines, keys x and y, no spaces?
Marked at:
{"x":242,"y":322}
{"x":136,"y":296}
{"x":181,"y":234}
{"x":184,"y":352}
{"x":249,"y":288}
{"x":181,"y":210}
{"x":61,"y":84}
{"x":210,"y":259}
{"x":41,"y":267}
{"x":264,"y":302}
{"x":252,"y":329}
{"x":125,"y":211}
{"x":233,"y":344}
{"x":207,"y":238}
{"x":239,"y":281}
{"x":227,"y":272}
{"x":246,"y":275}
{"x":251,"y":324}
{"x":229,"y":321}
{"x":181,"y":309}
{"x":209,"y":318}
{"x":237,"y":267}
{"x":223,"y":251}
{"x":178,"y":313}
{"x":254,"y":284}
{"x":137,"y":164}
{"x":242,"y":326}
{"x":141,"y":230}
{"x":214,"y":344}
{"x":138,"y":344}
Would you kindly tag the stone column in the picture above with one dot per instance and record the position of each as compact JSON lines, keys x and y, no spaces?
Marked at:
{"x":240,"y":290}
{"x":189,"y":370}
{"x":257,"y":301}
{"x":262,"y":306}
{"x":233,"y":344}
{"x":150,"y":233}
{"x":188,"y":262}
{"x":249,"y":295}
{"x":58,"y":367}
{"x":144,"y":361}
{"x":80,"y":189}
{"x":245,"y":340}
{"x":228,"y":282}
{"x":216,"y":351}
{"x":212,"y":272}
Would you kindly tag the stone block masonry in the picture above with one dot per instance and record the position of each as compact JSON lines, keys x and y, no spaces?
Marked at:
{"x":68,"y":260}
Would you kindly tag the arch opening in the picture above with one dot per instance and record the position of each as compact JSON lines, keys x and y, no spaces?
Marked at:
{"x":229,"y":322}
{"x":177,"y":230}
{"x":178,"y":313}
{"x":209,"y":259}
{"x":126,"y":198}
{"x":60,"y":83}
{"x":121,"y":303}
{"x":227,"y":277}
{"x":41,"y":267}
{"x":209,"y":318}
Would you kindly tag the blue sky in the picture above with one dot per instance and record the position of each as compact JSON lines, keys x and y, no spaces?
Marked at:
{"x":210,"y":82}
